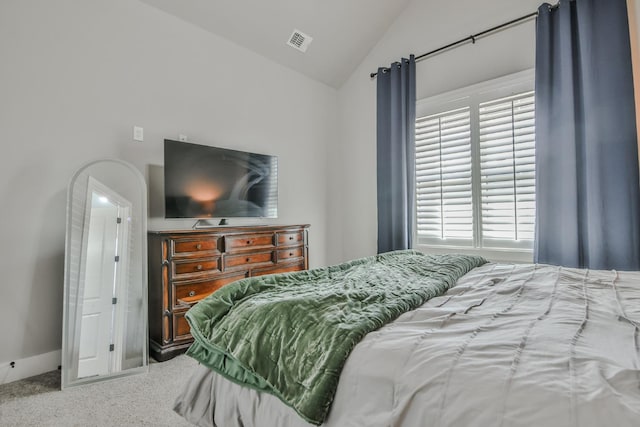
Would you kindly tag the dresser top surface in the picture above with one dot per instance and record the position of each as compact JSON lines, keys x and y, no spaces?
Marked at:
{"x":230,"y":229}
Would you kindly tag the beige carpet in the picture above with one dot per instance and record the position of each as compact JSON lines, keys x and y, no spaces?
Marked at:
{"x":138,"y":400}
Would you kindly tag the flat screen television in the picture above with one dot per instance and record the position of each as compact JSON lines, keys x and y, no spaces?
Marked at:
{"x":201,"y":181}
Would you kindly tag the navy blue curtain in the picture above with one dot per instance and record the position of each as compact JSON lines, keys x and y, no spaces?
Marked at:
{"x":587,"y":183}
{"x":396,"y":111}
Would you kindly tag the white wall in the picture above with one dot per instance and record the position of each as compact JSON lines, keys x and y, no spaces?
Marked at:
{"x":76,"y":76}
{"x":423,"y":26}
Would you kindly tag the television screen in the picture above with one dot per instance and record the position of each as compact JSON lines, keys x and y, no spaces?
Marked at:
{"x":209,"y":182}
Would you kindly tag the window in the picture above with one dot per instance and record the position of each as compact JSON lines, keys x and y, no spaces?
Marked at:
{"x":475,"y":167}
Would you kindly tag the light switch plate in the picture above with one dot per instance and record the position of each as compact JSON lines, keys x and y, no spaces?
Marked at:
{"x":138,"y":133}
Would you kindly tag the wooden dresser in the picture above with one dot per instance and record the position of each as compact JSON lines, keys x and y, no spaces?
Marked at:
{"x":187,"y":265}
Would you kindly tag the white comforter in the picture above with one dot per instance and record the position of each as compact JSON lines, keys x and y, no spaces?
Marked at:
{"x":509,"y":345}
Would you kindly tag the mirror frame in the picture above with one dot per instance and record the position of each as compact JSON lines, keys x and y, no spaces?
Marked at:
{"x":78,"y":201}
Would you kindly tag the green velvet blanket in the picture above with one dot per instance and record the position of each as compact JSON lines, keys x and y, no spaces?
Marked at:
{"x":290,"y":334}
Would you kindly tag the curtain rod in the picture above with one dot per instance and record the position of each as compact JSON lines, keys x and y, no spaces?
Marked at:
{"x":472,"y":38}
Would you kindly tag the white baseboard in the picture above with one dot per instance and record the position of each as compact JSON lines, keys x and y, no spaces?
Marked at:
{"x":30,"y":366}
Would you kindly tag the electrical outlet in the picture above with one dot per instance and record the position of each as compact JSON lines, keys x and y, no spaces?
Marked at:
{"x":183,"y":138}
{"x":138,"y":133}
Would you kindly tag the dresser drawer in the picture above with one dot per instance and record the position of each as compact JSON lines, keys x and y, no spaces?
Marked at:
{"x":248,"y":241}
{"x":287,"y":254}
{"x":247,"y":260}
{"x":188,"y":293}
{"x":181,"y":329}
{"x":278,"y":268}
{"x":187,"y":268}
{"x":200,"y":246}
{"x":290,"y":238}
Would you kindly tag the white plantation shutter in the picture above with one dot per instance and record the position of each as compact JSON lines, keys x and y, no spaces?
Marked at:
{"x":443,"y":174}
{"x":475,"y":167}
{"x":507,"y":168}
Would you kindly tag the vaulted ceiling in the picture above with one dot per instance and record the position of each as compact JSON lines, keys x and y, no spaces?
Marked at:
{"x":343,"y":31}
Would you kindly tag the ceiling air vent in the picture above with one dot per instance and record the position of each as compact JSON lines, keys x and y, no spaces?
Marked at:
{"x":299,"y":40}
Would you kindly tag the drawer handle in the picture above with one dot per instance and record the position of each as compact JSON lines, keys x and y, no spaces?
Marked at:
{"x":290,"y":253}
{"x":290,"y":237}
{"x":198,"y":246}
{"x":192,"y":293}
{"x":199,"y":267}
{"x":248,"y":259}
{"x":248,"y":242}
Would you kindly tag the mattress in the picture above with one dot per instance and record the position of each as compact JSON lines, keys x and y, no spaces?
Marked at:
{"x":509,"y":345}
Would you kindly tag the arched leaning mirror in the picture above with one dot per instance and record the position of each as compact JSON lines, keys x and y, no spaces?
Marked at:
{"x":105,"y":293}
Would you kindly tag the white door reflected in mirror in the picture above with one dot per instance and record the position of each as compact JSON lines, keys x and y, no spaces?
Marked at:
{"x":100,"y":332}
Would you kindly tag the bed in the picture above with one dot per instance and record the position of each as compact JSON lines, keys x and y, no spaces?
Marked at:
{"x":507,"y":345}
